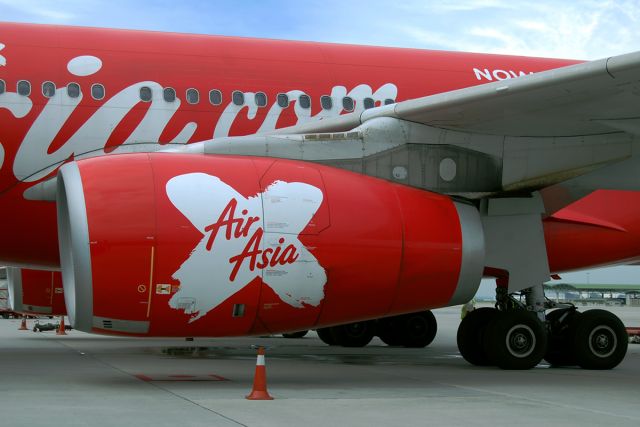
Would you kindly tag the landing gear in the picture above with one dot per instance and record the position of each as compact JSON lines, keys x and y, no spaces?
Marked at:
{"x":561,"y":325}
{"x":471,"y":335}
{"x":419,"y":329}
{"x":325,"y":336}
{"x":515,"y":340}
{"x":510,"y":336}
{"x":413,"y":330}
{"x":518,"y":335}
{"x":356,"y":334}
{"x":600,"y":340}
{"x":389,"y":330}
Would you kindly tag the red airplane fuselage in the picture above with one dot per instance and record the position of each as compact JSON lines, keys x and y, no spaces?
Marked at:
{"x":69,"y":93}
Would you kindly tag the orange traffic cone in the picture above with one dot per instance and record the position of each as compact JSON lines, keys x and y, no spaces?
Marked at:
{"x":61,"y":330}
{"x":259,"y":391}
{"x":23,"y":325}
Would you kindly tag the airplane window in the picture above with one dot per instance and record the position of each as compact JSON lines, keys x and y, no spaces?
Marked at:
{"x":238,"y":97}
{"x":97,"y":91}
{"x":193,"y":97}
{"x":327,"y":102}
{"x":305,"y":101}
{"x":2,"y":86}
{"x":73,"y":90}
{"x":261,"y":99}
{"x":389,"y":101}
{"x":215,"y":97}
{"x":145,"y":93}
{"x":48,"y":89}
{"x":24,"y":88}
{"x":347,"y":103}
{"x":369,"y":103}
{"x":283,"y":100}
{"x":169,"y":94}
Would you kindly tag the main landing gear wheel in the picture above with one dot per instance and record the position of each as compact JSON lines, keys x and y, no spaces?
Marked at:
{"x":389,"y":331}
{"x":413,"y":330}
{"x":471,"y":335}
{"x":562,"y":326}
{"x":325,"y":336}
{"x":357,"y":334}
{"x":600,"y":340}
{"x":418,"y":329}
{"x":515,"y":340}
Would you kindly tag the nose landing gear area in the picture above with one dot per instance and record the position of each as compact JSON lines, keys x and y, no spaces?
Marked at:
{"x":518,"y":339}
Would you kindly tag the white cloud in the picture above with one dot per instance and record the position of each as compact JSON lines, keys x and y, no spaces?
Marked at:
{"x":446,"y":6}
{"x":583,"y":29}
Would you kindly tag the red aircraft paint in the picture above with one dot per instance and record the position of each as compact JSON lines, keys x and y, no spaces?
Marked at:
{"x":41,"y":53}
{"x":357,"y":238}
{"x":371,"y":265}
{"x":38,"y":292}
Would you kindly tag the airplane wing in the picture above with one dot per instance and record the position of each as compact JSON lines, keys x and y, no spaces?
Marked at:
{"x":559,"y":132}
{"x":563,"y":132}
{"x":590,"y":98}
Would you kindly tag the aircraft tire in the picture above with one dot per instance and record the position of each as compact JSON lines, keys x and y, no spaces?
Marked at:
{"x":562,"y":327}
{"x":418,"y":329}
{"x":471,"y":335}
{"x":388,"y":330}
{"x":600,"y":340}
{"x":515,"y":340}
{"x":357,"y":334}
{"x":298,"y":334}
{"x":325,"y":336}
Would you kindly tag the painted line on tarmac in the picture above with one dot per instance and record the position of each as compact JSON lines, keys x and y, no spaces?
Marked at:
{"x":152,"y":384}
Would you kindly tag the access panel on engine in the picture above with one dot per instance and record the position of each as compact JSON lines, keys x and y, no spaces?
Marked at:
{"x":208,"y":213}
{"x":120,"y":217}
{"x":296,"y":208}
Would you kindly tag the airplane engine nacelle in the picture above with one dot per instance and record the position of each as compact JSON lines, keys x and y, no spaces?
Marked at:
{"x":173,"y":244}
{"x":37,"y":292}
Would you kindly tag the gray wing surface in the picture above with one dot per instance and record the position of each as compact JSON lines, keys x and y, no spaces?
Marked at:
{"x":532,"y":133}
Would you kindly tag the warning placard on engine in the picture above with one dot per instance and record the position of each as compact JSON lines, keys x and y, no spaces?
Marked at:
{"x":163,"y":289}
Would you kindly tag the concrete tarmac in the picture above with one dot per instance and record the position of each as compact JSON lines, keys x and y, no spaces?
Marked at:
{"x":89,"y":380}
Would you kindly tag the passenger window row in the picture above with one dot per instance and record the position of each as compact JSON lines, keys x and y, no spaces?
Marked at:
{"x":192,"y":96}
{"x":23,"y":87}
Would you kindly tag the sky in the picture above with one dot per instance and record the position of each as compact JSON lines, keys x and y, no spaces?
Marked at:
{"x":582,"y":29}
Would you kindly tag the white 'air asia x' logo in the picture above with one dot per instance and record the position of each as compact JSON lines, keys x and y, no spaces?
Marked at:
{"x":245,"y":238}
{"x":3,"y":60}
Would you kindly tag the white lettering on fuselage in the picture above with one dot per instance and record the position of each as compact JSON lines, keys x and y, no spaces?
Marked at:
{"x":3,"y":60}
{"x":18,"y":106}
{"x":303,"y":115}
{"x":34,"y":161}
{"x":496,"y":74}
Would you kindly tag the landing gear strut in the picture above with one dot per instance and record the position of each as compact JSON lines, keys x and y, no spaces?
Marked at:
{"x":518,"y":335}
